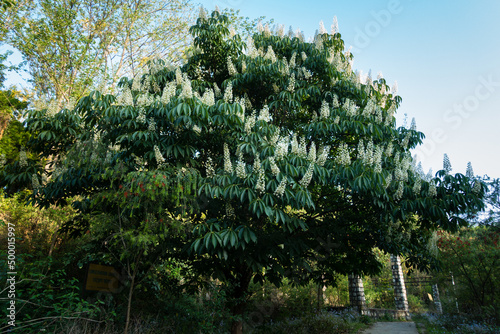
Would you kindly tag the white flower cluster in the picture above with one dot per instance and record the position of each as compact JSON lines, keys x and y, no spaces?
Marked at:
{"x":187,"y":91}
{"x":417,"y":186}
{"x":387,"y":181}
{"x":145,"y":100}
{"x":267,"y":31}
{"x":371,"y":155}
{"x":281,"y":148}
{"x":136,"y":83}
{"x":389,"y":149}
{"x":336,"y":60}
{"x":335,"y":101}
{"x":334,"y":26}
{"x":281,"y":30}
{"x":208,"y":97}
{"x":343,"y":157}
{"x":146,"y":84}
{"x":307,"y":74}
{"x":432,"y":189}
{"x":202,"y":14}
{"x":250,"y":48}
{"x":476,"y":188}
{"x":241,"y":113}
{"x":217,"y":90}
{"x":23,"y":158}
{"x":210,"y":169}
{"x":274,"y":168}
{"x":250,"y":123}
{"x":291,"y":63}
{"x":300,"y":35}
{"x":311,"y":156}
{"x":228,"y":166}
{"x":35,"y":183}
{"x":228,"y":93}
{"x":230,"y":211}
{"x":399,"y":192}
{"x":270,"y":55}
{"x":125,"y":97}
{"x":350,"y":108}
{"x":52,"y":109}
{"x":323,"y":156}
{"x":151,"y":124}
{"x":306,"y":179}
{"x":378,"y":115}
{"x":394,"y":89}
{"x":322,"y":29}
{"x":302,"y":148}
{"x":178,"y":76}
{"x":284,"y":69}
{"x":420,"y":170}
{"x":280,"y":190}
{"x":303,"y":55}
{"x":256,"y":164}
{"x":295,"y":144}
{"x":446,"y":164}
{"x":318,"y":42}
{"x":196,"y":129}
{"x":261,"y":181}
{"x":469,"y":171}
{"x":406,"y":140}
{"x":230,"y":67}
{"x":168,"y":92}
{"x":264,"y":114}
{"x":160,"y":160}
{"x":275,"y":138}
{"x":370,"y":108}
{"x":325,"y":110}
{"x":141,"y":118}
{"x":413,"y":125}
{"x":291,"y":83}
{"x":377,"y":159}
{"x":402,"y":167}
{"x":240,"y":167}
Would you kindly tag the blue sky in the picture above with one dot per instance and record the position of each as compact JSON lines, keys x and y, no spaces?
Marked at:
{"x":445,"y":56}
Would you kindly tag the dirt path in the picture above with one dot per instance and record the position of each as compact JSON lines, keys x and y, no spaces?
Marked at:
{"x":392,"y":328}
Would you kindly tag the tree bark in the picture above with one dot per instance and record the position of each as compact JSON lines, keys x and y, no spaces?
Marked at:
{"x":238,"y":297}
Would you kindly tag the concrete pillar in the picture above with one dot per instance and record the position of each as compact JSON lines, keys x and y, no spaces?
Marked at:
{"x":437,"y":300}
{"x":356,"y":292}
{"x":398,"y":283}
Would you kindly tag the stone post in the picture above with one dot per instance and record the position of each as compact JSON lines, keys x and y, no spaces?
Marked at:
{"x":399,"y":285}
{"x":356,"y":292}
{"x":437,"y":300}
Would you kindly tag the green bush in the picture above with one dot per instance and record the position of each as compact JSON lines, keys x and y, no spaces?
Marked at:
{"x":321,"y":323}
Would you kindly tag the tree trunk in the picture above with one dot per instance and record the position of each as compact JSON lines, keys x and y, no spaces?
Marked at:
{"x":238,"y":296}
{"x":129,"y":304}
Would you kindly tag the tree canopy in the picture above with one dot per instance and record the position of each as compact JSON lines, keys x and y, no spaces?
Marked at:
{"x":72,"y":47}
{"x":257,"y":161}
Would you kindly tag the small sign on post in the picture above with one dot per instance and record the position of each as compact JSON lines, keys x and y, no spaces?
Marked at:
{"x":102,"y":278}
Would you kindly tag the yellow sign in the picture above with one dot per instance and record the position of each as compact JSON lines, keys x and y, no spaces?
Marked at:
{"x":102,"y":278}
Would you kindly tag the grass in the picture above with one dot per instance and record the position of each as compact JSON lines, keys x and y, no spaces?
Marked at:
{"x":453,"y":324}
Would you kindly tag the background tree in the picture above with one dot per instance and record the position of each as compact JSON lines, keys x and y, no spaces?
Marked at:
{"x":276,"y":152}
{"x":471,"y":256}
{"x":73,"y":46}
